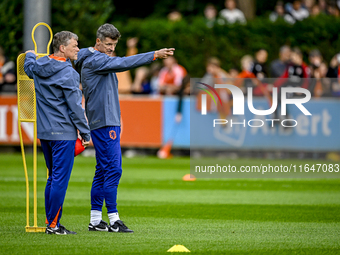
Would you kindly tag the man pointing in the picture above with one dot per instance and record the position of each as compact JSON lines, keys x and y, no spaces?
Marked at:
{"x":100,"y":86}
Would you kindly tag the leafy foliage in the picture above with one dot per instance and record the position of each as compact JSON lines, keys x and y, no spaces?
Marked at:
{"x":81,"y":17}
{"x":11,"y":26}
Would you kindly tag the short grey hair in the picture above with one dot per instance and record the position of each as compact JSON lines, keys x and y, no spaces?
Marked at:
{"x":108,"y":30}
{"x":62,"y":38}
{"x":284,"y":48}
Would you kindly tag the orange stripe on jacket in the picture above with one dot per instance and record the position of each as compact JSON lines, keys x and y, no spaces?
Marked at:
{"x":57,"y":58}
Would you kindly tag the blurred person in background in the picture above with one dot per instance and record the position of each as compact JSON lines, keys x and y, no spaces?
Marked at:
{"x":297,"y":12}
{"x":308,"y":5}
{"x":323,"y":6}
{"x":246,"y":73}
{"x":155,"y":68}
{"x":320,"y":86}
{"x":174,"y":15}
{"x":278,"y":66}
{"x":7,"y":71}
{"x":334,"y":73}
{"x":247,"y":79}
{"x":183,"y":91}
{"x":333,"y":10}
{"x":233,"y":72}
{"x":171,"y":76}
{"x":141,"y":83}
{"x":315,"y":59}
{"x":315,"y":11}
{"x":124,"y":78}
{"x":216,"y":75}
{"x":259,"y":66}
{"x":231,"y":14}
{"x":165,"y":151}
{"x":210,"y":15}
{"x":296,"y":73}
{"x":280,"y":13}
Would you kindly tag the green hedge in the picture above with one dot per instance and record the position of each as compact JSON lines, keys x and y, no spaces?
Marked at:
{"x":195,"y":42}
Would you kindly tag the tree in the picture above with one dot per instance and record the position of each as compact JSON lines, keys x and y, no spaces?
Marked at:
{"x":248,"y":8}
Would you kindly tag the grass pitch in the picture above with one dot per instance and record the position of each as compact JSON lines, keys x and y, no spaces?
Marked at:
{"x":219,"y":216}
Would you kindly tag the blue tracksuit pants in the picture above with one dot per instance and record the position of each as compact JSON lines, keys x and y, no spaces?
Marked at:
{"x":59,"y":158}
{"x":106,"y":141}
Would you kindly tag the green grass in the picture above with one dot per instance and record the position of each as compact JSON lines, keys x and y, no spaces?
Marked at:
{"x":208,"y":216}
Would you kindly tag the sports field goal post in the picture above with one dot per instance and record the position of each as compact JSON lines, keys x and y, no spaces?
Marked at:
{"x":27,"y":112}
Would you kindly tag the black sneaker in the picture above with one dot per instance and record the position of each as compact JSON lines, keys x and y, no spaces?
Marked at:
{"x":102,"y":226}
{"x":119,"y":226}
{"x":60,"y":231}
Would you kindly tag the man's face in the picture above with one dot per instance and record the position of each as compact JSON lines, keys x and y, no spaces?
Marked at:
{"x":296,"y":58}
{"x":297,"y":5}
{"x":211,"y":69}
{"x":210,"y":13}
{"x":71,"y":50}
{"x":107,"y":46}
{"x":285,"y":55}
{"x":262,"y":56}
{"x":230,"y":4}
{"x":280,"y":10}
{"x":169,"y":62}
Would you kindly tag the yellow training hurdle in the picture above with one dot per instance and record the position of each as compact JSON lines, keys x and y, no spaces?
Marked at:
{"x":27,"y":113}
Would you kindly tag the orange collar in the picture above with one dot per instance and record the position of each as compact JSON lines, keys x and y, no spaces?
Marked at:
{"x":57,"y":58}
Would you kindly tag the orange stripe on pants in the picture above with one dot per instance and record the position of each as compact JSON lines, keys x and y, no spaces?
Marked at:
{"x":54,"y":222}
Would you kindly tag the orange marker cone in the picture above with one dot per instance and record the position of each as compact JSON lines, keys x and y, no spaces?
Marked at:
{"x":189,"y":178}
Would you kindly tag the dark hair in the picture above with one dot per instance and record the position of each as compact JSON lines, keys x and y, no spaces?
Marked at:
{"x":315,"y":53}
{"x":280,"y":3}
{"x":214,"y":61}
{"x":62,"y":38}
{"x":297,"y":51}
{"x":284,"y":48}
{"x":108,"y":30}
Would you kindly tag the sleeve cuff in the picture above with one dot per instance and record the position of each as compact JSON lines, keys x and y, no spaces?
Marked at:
{"x":86,"y":137}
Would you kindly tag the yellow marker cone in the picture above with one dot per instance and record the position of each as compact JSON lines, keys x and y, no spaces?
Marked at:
{"x":178,"y":248}
{"x":189,"y":178}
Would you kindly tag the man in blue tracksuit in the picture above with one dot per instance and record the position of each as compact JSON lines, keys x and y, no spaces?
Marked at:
{"x":100,"y":86}
{"x":59,"y":116}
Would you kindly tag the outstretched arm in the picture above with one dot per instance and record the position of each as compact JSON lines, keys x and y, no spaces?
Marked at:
{"x":108,"y":64}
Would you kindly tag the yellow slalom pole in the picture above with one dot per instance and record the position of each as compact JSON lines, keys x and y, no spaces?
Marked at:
{"x":35,"y":203}
{"x":26,"y":176}
{"x":27,"y":113}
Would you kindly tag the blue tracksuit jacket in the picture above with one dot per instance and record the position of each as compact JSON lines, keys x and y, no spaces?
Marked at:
{"x":59,"y":110}
{"x":100,"y":84}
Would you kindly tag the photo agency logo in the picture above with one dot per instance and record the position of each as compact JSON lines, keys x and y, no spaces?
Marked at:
{"x":238,"y":105}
